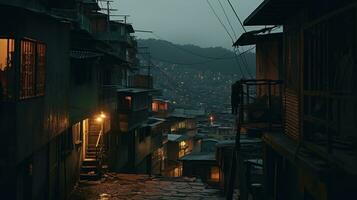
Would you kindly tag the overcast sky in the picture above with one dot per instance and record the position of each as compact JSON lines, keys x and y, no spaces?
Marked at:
{"x":185,"y":21}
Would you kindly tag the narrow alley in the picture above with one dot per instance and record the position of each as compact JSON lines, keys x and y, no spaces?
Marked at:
{"x":169,"y":100}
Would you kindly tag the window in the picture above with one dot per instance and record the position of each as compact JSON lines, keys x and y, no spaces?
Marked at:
{"x":214,"y":176}
{"x":7,"y":51}
{"x":155,"y":107}
{"x":32,"y":69}
{"x":183,"y":149}
{"x":126,"y":102}
{"x":330,"y":88}
{"x":40,"y":69}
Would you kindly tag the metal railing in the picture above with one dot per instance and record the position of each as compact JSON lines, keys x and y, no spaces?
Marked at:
{"x":253,"y":96}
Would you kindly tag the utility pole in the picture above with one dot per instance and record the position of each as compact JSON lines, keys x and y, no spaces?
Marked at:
{"x":107,"y":10}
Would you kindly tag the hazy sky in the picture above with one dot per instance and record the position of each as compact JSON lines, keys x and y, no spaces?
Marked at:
{"x":185,"y":21}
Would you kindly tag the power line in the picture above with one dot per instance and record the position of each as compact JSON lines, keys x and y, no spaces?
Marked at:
{"x":245,"y":63}
{"x":243,"y":58}
{"x":219,"y":19}
{"x":225,"y":28}
{"x":229,"y":22}
{"x":240,"y":21}
{"x":178,"y":63}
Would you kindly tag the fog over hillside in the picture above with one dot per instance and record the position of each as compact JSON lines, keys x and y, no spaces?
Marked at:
{"x":195,"y":77}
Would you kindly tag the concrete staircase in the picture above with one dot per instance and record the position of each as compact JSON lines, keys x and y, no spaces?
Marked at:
{"x":90,"y":169}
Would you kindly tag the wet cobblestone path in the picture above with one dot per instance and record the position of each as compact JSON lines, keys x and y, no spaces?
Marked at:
{"x":135,"y":187}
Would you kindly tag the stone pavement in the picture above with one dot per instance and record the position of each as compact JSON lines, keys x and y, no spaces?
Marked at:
{"x":142,"y":187}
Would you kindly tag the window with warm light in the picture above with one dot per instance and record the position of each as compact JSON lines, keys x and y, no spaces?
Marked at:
{"x":215,"y":176}
{"x":7,"y":53}
{"x":155,"y":107}
{"x":32,"y":69}
{"x":162,"y":107}
{"x":128,"y":101}
{"x":182,"y":149}
{"x":178,"y":171}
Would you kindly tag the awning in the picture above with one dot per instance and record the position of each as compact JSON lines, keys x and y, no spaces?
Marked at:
{"x":274,"y":12}
{"x":254,"y":37}
{"x":82,"y":54}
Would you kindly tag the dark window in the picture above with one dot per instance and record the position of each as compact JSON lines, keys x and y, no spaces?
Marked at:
{"x":32,"y":70}
{"x":41,"y":69}
{"x":330,"y":89}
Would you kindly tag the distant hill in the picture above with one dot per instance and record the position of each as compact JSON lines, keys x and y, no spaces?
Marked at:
{"x":216,"y":59}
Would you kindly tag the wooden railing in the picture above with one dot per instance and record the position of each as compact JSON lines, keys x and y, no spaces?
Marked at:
{"x":99,"y":150}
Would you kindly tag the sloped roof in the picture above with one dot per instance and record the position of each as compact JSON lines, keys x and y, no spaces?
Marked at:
{"x":273,"y":12}
{"x":254,"y":37}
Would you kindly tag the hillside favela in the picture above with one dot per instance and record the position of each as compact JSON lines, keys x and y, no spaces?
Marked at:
{"x":178,"y":99}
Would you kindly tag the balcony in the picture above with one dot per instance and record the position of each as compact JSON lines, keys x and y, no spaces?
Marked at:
{"x":258,"y":104}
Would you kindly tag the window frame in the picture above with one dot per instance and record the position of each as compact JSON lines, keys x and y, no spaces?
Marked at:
{"x":35,"y":82}
{"x":10,"y":92}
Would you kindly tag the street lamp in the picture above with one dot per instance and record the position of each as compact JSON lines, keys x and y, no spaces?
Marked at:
{"x":102,"y":115}
{"x":211,"y":118}
{"x":99,"y":119}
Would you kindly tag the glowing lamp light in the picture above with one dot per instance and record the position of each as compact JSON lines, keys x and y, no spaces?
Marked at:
{"x":99,"y":119}
{"x":102,"y":115}
{"x":211,"y":118}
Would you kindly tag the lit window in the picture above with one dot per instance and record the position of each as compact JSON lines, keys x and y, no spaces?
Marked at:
{"x":155,"y":107}
{"x":162,"y":107}
{"x":182,"y":145}
{"x":215,"y":174}
{"x":7,"y":51}
{"x":32,"y":70}
{"x":128,"y":101}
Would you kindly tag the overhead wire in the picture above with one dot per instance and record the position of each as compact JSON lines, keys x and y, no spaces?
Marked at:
{"x":243,"y":58}
{"x":229,"y":21}
{"x":225,"y":28}
{"x":220,"y":21}
{"x":188,"y":64}
{"x":240,"y":21}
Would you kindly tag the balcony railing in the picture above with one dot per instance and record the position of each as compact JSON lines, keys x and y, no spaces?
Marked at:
{"x":257,"y":104}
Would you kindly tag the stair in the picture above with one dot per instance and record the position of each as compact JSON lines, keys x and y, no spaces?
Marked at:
{"x":89,"y":168}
